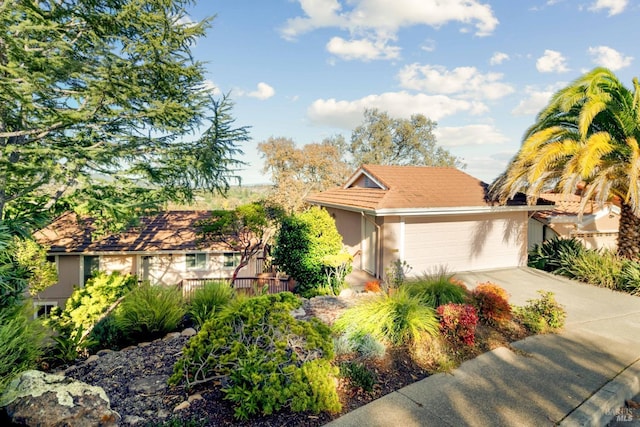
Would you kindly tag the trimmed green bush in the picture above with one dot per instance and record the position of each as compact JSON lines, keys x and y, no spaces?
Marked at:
{"x":398,"y":319}
{"x":149,"y":312}
{"x":304,"y":244}
{"x":437,"y":289}
{"x":22,"y":342}
{"x":269,"y":359}
{"x":541,"y":315}
{"x":209,"y":300}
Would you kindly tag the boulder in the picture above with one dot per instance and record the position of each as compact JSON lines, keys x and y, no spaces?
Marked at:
{"x":36,"y":398}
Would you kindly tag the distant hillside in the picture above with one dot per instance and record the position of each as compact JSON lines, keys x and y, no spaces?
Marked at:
{"x":236,"y":196}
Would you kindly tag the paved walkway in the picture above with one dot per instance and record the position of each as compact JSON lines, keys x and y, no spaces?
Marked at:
{"x":579,"y":377}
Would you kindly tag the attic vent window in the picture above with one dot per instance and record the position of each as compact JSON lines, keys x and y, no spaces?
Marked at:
{"x":368,"y":183}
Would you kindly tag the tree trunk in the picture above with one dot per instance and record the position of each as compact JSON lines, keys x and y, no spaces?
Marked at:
{"x":629,"y":233}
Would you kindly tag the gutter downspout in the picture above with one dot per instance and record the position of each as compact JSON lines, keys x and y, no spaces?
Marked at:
{"x":378,"y":244}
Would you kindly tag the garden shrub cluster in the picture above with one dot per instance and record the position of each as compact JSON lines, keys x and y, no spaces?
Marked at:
{"x":458,"y":323}
{"x":492,"y":303}
{"x":568,"y":257}
{"x":88,"y":304}
{"x":397,"y":319}
{"x":541,"y":315}
{"x":209,"y":300}
{"x":269,"y":359}
{"x":438,"y":289}
{"x":149,"y":312}
{"x":22,"y":342}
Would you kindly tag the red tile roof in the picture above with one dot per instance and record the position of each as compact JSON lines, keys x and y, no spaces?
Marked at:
{"x":408,"y":187}
{"x":164,"y":232}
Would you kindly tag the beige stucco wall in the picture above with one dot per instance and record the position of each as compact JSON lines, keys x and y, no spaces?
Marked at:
{"x":465,"y":242}
{"x":125,"y":264}
{"x":349,"y":225}
{"x":599,"y":234}
{"x":171,"y":269}
{"x":68,"y":278}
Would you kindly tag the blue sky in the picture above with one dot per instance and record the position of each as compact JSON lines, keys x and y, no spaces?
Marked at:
{"x":307,"y":69}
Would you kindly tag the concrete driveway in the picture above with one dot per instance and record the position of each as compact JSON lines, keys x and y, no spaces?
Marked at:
{"x":580,"y":376}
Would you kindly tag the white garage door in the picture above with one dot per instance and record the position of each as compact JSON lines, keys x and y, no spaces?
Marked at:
{"x":464,"y":243}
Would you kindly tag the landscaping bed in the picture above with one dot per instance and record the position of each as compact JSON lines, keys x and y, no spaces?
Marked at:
{"x":117,"y":371}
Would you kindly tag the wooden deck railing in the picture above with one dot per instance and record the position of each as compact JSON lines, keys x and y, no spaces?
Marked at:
{"x":249,"y":285}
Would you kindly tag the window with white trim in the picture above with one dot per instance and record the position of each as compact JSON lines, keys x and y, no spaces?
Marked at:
{"x":42,"y":309}
{"x":231,"y":259}
{"x":197,"y":261}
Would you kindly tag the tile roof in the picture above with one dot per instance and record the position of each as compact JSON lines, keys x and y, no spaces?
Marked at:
{"x":566,"y":205}
{"x":409,"y":187}
{"x":166,"y":231}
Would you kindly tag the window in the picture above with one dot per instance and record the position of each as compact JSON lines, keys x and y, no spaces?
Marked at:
{"x":43,"y":309}
{"x":91,"y":266}
{"x":231,"y":259}
{"x":196,"y":261}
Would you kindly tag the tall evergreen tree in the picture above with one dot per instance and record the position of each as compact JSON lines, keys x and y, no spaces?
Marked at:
{"x":102,"y":100}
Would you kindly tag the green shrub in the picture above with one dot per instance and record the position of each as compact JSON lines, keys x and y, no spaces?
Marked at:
{"x":209,"y":300}
{"x":302,"y":245}
{"x":437,"y":289}
{"x":359,"y":375}
{"x":601,"y":268}
{"x":555,"y":255}
{"x":492,"y":303}
{"x":629,"y":279}
{"x":150,"y":312}
{"x":541,"y":315}
{"x":106,"y":334}
{"x":22,"y":342}
{"x":270,"y":359}
{"x":398,"y":319}
{"x":89,"y":303}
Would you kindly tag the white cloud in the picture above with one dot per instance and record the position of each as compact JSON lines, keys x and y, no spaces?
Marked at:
{"x":469,"y":135}
{"x":264,"y":91}
{"x":613,"y":6}
{"x":610,"y":58}
{"x":386,"y":17}
{"x":363,"y":49}
{"x":498,"y":58}
{"x":465,"y":82}
{"x":552,"y":61}
{"x":536,"y":99}
{"x":211,"y":87}
{"x":349,"y":114}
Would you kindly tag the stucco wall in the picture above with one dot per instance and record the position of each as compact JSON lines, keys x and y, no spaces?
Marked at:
{"x":68,"y":278}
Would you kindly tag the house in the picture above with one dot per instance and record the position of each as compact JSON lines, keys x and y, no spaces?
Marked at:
{"x":597,"y":227}
{"x":430,"y":217}
{"x":164,"y":249}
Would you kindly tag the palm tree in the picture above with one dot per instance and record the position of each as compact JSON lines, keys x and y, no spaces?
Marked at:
{"x":587,"y":136}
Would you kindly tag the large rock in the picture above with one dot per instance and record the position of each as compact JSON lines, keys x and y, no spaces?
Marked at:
{"x":36,"y":398}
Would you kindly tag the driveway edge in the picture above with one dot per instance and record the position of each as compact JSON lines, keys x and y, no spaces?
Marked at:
{"x":605,"y":404}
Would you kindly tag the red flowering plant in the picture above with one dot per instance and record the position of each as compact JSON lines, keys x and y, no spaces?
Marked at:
{"x":492,"y":303}
{"x":458,"y":323}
